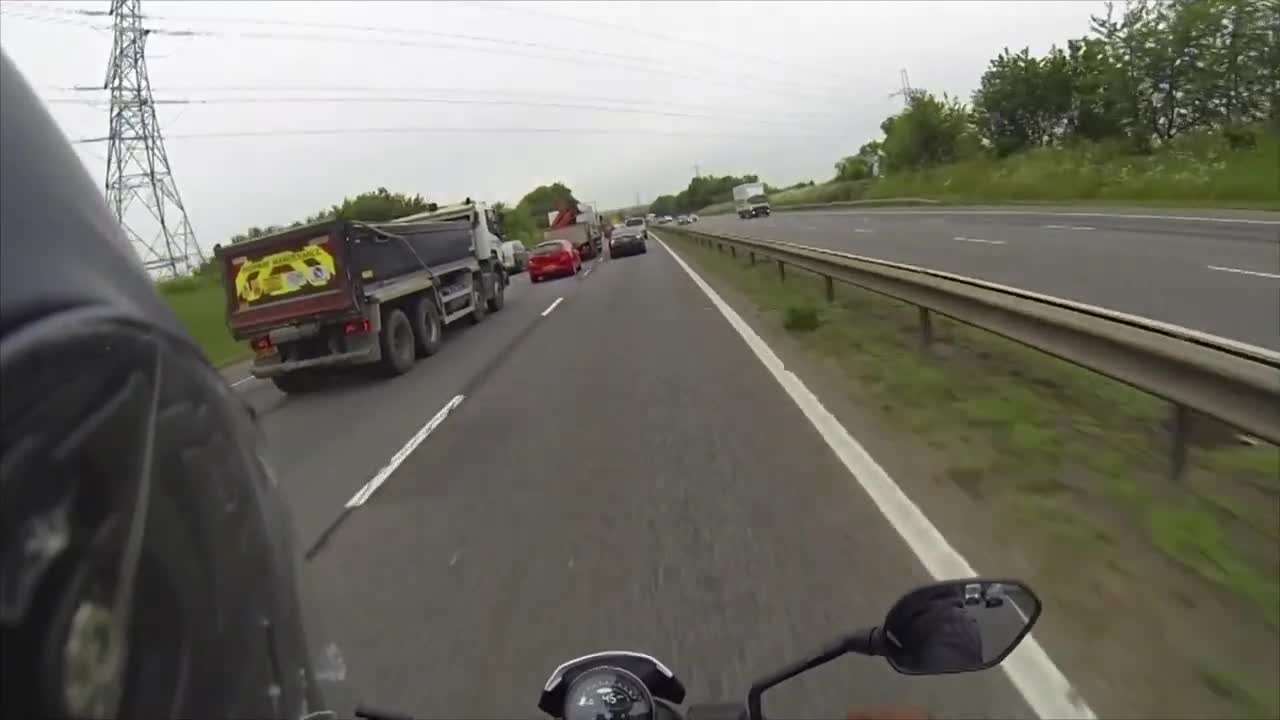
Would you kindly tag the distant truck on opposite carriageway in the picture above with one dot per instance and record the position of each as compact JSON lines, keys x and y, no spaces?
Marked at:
{"x":341,"y":293}
{"x":750,"y":200}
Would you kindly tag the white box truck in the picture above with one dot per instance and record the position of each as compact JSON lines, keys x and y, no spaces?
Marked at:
{"x":750,"y":201}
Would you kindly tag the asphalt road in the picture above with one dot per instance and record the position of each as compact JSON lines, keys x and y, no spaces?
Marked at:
{"x":622,"y":473}
{"x":1217,"y":272}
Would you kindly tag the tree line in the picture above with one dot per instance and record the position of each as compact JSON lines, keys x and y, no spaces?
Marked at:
{"x":1147,"y":73}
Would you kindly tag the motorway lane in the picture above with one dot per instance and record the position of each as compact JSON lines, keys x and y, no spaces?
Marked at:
{"x":325,"y":445}
{"x":1219,"y":275}
{"x":632,"y":478}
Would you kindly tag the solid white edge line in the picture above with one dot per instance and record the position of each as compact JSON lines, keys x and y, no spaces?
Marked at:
{"x":369,"y":488}
{"x":552,"y":306}
{"x":1243,"y":272}
{"x":1032,"y":672}
{"x":241,"y":381}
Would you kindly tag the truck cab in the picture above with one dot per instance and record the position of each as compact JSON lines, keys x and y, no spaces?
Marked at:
{"x":750,"y":200}
{"x":486,"y":224}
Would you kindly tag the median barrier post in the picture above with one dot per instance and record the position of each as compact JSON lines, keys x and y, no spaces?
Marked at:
{"x":733,"y":250}
{"x":831,"y":288}
{"x":782,"y":272}
{"x":926,"y":329}
{"x":751,"y":256}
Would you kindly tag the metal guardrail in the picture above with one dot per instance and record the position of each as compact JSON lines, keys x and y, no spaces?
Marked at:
{"x":1235,"y":383}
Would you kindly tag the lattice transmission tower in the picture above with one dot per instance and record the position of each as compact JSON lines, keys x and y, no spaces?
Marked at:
{"x":138,"y":172}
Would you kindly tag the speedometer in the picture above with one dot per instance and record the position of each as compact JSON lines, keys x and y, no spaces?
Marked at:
{"x":608,"y":693}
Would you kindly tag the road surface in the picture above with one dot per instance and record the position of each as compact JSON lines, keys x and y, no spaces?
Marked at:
{"x":621,"y":473}
{"x":1218,"y":274}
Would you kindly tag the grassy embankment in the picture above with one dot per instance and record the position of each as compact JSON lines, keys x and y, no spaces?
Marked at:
{"x":1196,"y":171}
{"x":200,"y":305}
{"x":1073,"y":471}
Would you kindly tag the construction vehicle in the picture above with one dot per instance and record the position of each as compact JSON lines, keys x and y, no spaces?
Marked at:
{"x":578,"y":224}
{"x":341,"y":293}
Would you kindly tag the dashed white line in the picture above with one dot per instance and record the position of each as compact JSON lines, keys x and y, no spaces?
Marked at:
{"x":1029,"y":667}
{"x":588,"y":271}
{"x":978,"y":240}
{"x":241,"y":381}
{"x":1243,"y":272}
{"x":1070,"y":227}
{"x":552,"y":306}
{"x":862,"y":230}
{"x":364,"y":493}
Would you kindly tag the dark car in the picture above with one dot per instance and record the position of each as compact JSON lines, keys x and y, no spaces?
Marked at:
{"x":630,"y":238}
{"x":553,"y":258}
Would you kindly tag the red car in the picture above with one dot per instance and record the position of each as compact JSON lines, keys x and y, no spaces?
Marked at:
{"x":553,"y":258}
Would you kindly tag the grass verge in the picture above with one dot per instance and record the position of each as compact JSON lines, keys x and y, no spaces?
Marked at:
{"x":1074,"y":461}
{"x":1198,"y":170}
{"x":200,"y":305}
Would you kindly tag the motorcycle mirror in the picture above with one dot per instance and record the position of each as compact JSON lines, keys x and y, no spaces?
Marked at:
{"x":957,"y":626}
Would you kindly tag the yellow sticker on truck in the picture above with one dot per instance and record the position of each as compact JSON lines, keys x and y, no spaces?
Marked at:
{"x":283,"y":273}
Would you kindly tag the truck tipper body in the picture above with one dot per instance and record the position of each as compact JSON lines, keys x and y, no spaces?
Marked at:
{"x":343,"y":293}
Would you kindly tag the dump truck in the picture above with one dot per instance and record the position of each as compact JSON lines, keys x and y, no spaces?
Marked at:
{"x":340,"y":293}
{"x":579,"y":225}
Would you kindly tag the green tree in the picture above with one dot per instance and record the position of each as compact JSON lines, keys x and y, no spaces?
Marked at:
{"x":664,"y":205}
{"x":1023,"y":101}
{"x":854,"y":167}
{"x":543,"y":199}
{"x":931,"y":131}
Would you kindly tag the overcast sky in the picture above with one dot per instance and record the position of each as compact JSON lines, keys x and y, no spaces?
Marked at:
{"x":779,"y":89}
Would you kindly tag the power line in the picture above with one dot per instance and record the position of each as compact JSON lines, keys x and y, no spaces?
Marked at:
{"x":633,"y":30}
{"x":631,"y":62}
{"x":442,"y":101}
{"x":467,"y":130}
{"x":451,"y":91}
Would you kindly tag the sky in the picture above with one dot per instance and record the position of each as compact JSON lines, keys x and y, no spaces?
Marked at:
{"x":619,"y":101}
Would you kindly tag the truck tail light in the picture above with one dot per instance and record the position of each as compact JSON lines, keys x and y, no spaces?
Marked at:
{"x":355,"y":327}
{"x":261,"y":343}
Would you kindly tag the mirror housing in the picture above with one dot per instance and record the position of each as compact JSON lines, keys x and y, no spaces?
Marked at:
{"x":957,"y":626}
{"x":948,"y":627}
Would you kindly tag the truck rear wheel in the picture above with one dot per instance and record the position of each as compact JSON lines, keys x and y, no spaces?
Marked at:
{"x":479,"y":304}
{"x":397,"y":342}
{"x":498,"y":296}
{"x":426,"y":327}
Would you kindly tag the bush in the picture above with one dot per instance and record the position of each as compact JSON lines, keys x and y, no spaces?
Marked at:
{"x":802,"y":318}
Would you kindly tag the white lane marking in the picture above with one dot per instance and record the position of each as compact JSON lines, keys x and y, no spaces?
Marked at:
{"x":978,"y":240}
{"x":1180,"y":218}
{"x":588,"y":271}
{"x":1069,"y":227}
{"x":364,"y":493}
{"x":1029,"y":667}
{"x":241,"y":381}
{"x":862,"y":230}
{"x":1242,"y":272}
{"x":552,"y":306}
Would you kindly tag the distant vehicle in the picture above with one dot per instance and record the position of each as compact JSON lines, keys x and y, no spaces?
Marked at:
{"x":629,"y":239}
{"x":553,"y":258}
{"x":750,"y":200}
{"x":637,"y":222}
{"x":578,"y":224}
{"x":693,"y":218}
{"x":664,"y":219}
{"x":515,"y":256}
{"x":682,"y":220}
